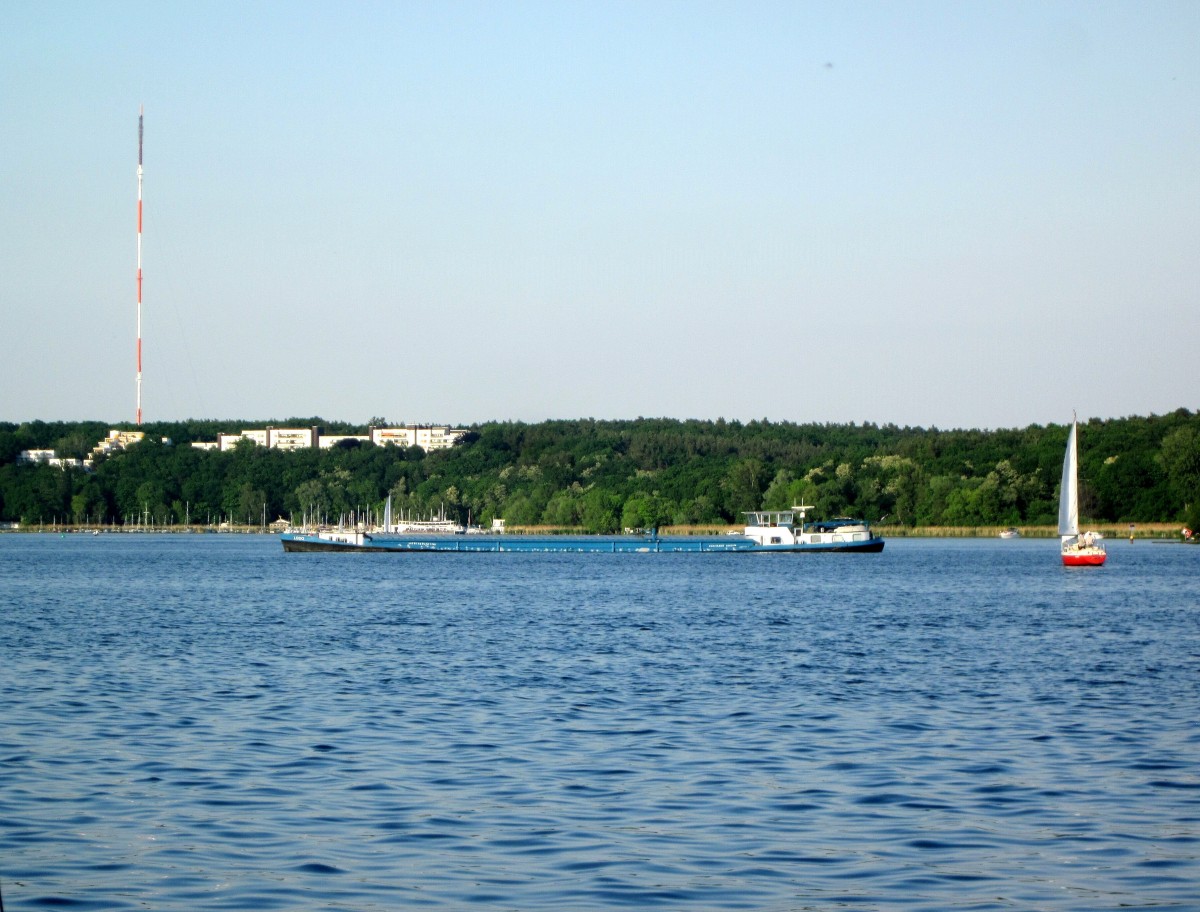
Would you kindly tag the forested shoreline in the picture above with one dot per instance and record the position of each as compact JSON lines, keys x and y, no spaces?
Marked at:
{"x":606,"y":475}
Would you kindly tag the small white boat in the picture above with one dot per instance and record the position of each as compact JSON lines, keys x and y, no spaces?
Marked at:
{"x":1010,"y":533}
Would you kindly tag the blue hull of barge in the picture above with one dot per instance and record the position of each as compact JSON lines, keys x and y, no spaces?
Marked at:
{"x":611,"y":544}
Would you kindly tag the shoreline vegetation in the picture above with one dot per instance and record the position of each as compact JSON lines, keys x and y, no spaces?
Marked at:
{"x":602,"y":476}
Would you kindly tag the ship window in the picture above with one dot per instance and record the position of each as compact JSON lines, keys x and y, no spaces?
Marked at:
{"x":775,"y":539}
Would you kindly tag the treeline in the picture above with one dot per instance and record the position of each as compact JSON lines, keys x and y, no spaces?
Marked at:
{"x":607,"y":475}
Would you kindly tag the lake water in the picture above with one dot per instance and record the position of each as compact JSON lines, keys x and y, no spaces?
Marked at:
{"x":203,"y":722}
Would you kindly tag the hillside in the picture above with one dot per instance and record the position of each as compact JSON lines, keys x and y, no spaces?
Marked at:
{"x":605,"y":475}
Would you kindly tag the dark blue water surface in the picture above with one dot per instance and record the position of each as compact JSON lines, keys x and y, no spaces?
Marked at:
{"x":204,"y":722}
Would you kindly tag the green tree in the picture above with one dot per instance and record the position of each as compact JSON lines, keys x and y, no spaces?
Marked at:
{"x":245,"y":503}
{"x":779,"y":493}
{"x":1181,"y":459}
{"x":744,"y":486}
{"x":645,"y":511}
{"x":563,"y":509}
{"x":521,"y":510}
{"x":88,"y":505}
{"x":150,"y":501}
{"x":698,"y":511}
{"x":10,"y":447}
{"x":600,"y":511}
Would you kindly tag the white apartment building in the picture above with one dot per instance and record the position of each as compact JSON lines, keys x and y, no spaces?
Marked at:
{"x":50,"y":458}
{"x":426,"y":436}
{"x":272,"y":438}
{"x":117,"y":441}
{"x":33,"y":456}
{"x":293,"y":438}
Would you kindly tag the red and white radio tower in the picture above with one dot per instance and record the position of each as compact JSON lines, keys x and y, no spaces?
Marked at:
{"x":139,"y":273}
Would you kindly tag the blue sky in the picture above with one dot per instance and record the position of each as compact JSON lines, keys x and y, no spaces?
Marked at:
{"x":928,"y":213}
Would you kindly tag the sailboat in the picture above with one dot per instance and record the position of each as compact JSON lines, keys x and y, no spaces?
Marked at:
{"x":1084,"y":550}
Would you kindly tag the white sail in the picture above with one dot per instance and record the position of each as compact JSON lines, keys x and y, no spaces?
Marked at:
{"x":387,"y":514}
{"x":1068,"y":498}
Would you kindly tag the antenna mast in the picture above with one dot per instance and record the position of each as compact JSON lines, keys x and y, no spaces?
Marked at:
{"x":139,"y":271}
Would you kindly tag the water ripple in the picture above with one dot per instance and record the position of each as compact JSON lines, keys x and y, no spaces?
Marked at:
{"x":193,"y":722}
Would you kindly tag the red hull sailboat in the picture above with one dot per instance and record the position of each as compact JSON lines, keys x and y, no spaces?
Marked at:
{"x":1086,"y":550}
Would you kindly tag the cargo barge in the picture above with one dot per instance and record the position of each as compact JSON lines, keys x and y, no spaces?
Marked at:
{"x":766,"y":531}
